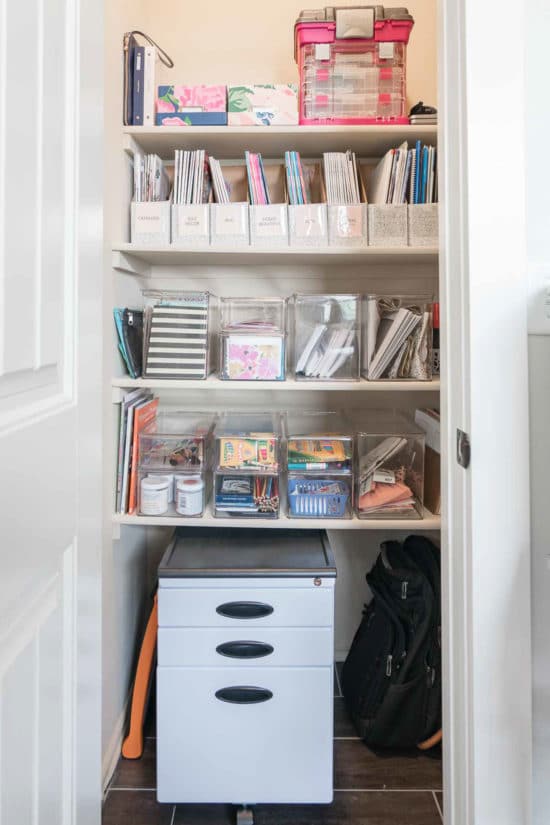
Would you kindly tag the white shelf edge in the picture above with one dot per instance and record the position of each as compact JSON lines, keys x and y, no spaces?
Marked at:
{"x":429,"y":522}
{"x":214,"y":384}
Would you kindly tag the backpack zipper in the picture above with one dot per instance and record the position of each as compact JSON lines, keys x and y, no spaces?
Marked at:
{"x":389,"y":662}
{"x":404,"y":588}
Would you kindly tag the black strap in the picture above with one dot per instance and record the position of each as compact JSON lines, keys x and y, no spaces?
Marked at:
{"x":164,"y":58}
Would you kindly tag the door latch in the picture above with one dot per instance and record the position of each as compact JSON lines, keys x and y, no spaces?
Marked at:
{"x":463,"y":448}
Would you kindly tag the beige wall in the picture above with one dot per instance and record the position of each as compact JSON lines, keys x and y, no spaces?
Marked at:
{"x":249,"y":40}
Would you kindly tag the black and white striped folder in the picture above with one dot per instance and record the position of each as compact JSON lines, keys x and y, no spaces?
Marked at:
{"x":178,"y":337}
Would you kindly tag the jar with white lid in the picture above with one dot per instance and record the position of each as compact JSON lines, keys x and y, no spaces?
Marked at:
{"x":155,"y":495}
{"x":189,"y":495}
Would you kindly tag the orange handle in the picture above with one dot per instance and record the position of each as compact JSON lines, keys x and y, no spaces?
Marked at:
{"x":433,"y":740}
{"x":132,"y":747}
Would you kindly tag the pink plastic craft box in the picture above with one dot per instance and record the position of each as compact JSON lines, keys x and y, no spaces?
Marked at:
{"x":352,"y":64}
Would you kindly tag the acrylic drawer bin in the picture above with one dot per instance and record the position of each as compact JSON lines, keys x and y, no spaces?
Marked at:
{"x":390,"y":477}
{"x":387,"y":224}
{"x":190,"y":225}
{"x":310,"y":496}
{"x":423,"y":224}
{"x":403,"y":352}
{"x":347,"y":224}
{"x":150,"y":223}
{"x":326,"y":334}
{"x":252,"y":339}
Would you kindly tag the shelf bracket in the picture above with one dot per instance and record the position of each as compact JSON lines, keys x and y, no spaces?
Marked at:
{"x":117,"y":395}
{"x":130,"y":146}
{"x":131,"y":265}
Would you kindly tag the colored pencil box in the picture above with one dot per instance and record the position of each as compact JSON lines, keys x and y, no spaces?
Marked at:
{"x":191,"y":106}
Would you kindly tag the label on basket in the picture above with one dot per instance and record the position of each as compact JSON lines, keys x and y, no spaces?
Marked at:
{"x":230,"y":219}
{"x":149,"y":219}
{"x":308,"y":222}
{"x":349,"y":223}
{"x":192,"y":220}
{"x":269,"y":221}
{"x":384,"y":476}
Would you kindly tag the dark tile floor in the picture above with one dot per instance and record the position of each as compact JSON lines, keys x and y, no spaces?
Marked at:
{"x":368,"y":789}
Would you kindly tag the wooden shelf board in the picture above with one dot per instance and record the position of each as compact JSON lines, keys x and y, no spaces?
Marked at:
{"x":137,"y":260}
{"x":230,"y":142}
{"x":429,"y":522}
{"x":214,"y":384}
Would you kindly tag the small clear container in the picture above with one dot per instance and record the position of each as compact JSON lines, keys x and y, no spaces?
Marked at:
{"x":172,"y":460}
{"x":326,"y":336}
{"x":248,"y":441}
{"x":244,"y":495}
{"x":252,"y":339}
{"x":319,"y":459}
{"x":176,"y":334}
{"x":390,"y":470}
{"x":397,"y":337}
{"x":247,"y":462}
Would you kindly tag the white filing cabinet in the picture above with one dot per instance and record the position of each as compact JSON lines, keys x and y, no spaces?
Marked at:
{"x":244,"y":676}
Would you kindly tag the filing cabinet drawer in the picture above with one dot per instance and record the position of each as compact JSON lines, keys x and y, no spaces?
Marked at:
{"x":309,"y":606}
{"x":260,"y":647}
{"x":250,"y":734}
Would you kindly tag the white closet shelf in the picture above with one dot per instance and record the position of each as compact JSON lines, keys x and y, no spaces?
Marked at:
{"x":231,"y":141}
{"x":214,"y":384}
{"x":429,"y":522}
{"x":136,"y":260}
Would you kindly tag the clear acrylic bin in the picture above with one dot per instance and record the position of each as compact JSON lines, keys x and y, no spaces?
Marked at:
{"x":390,"y":473}
{"x":252,"y":339}
{"x":176,"y":334}
{"x":246,"y":495}
{"x":397,"y":337}
{"x":347,"y":224}
{"x":423,"y":224}
{"x":150,"y":223}
{"x":326,"y":335}
{"x":249,"y":441}
{"x":319,"y":496}
{"x":176,"y":440}
{"x":387,"y":224}
{"x":190,"y":225}
{"x":171,"y":493}
{"x":319,"y":462}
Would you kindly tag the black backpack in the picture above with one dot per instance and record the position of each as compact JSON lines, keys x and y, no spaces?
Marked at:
{"x":391,"y":679}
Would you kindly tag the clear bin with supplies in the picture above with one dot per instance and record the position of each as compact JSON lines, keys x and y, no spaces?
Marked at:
{"x":389,"y":468}
{"x":397,"y":337}
{"x":173,"y":455}
{"x":247,"y":465}
{"x":319,"y":465}
{"x":326,"y":337}
{"x":352,"y":64}
{"x":252,"y":339}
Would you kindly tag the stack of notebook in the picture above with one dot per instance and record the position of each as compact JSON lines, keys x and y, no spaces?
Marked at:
{"x":176,"y":336}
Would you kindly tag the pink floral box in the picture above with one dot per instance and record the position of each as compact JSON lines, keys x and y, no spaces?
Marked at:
{"x":263,"y":105}
{"x":191,"y":106}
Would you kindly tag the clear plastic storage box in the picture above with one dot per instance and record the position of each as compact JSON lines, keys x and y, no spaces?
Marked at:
{"x":352,"y":64}
{"x":252,"y":339}
{"x":320,"y":467}
{"x":247,"y":465}
{"x":176,"y":334}
{"x":172,"y":460}
{"x":326,"y":337}
{"x":389,"y":469}
{"x":397,"y":337}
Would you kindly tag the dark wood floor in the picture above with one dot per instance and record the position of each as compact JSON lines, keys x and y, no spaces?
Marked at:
{"x":368,"y":790}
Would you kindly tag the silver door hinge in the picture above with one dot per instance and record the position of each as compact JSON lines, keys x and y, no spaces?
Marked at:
{"x":463,"y":448}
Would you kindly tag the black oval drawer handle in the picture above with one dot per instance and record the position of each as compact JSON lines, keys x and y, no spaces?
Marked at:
{"x":244,"y":610}
{"x":243,"y":695}
{"x":244,"y":650}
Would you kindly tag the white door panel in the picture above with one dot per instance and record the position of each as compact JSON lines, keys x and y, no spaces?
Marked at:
{"x":50,"y":391}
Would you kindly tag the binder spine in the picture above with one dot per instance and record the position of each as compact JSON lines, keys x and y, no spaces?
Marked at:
{"x":139,"y":60}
